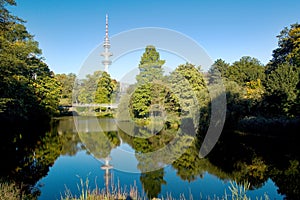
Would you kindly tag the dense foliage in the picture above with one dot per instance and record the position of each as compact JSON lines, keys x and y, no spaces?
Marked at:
{"x":67,"y":82}
{"x":270,"y":91}
{"x":253,"y":90}
{"x":176,"y":95}
{"x":288,"y":47}
{"x":150,"y":85}
{"x":98,"y":87}
{"x":28,"y":89}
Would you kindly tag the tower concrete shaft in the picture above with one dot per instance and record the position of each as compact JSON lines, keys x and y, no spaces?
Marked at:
{"x":106,"y":45}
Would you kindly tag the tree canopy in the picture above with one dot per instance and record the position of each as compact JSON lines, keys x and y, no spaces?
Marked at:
{"x":150,"y":66}
{"x":149,"y":86}
{"x":283,"y":74}
{"x":98,"y":87}
{"x":288,"y":47}
{"x":28,"y":88}
{"x":67,"y":82}
{"x":245,"y":70}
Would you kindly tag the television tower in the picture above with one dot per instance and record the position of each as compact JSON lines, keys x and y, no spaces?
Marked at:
{"x":106,"y":45}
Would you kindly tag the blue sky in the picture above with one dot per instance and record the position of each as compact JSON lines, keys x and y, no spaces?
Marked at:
{"x":68,"y":31}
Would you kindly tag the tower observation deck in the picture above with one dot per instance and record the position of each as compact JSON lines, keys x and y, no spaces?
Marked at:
{"x":106,"y":45}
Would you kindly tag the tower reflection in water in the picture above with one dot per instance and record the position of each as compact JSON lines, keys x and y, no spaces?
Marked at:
{"x":107,"y":175}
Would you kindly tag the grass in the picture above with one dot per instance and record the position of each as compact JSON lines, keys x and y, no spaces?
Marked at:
{"x":96,"y":194}
{"x":237,"y":192}
{"x":9,"y":191}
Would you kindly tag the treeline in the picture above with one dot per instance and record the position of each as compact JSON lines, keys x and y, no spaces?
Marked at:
{"x":264,"y":97}
{"x":96,"y":88}
{"x":257,"y":95}
{"x":170,"y":97}
{"x":28,"y":89}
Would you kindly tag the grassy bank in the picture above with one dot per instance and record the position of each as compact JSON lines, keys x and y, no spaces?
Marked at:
{"x":234,"y":192}
{"x":9,"y":191}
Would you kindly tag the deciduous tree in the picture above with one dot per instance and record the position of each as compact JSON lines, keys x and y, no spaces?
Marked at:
{"x":28,"y":88}
{"x":245,"y":70}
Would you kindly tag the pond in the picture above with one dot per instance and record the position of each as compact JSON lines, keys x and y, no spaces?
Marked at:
{"x":97,"y":150}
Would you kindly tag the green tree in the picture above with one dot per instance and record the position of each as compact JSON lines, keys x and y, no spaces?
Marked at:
{"x":150,"y":66}
{"x":25,"y":80}
{"x":187,"y":86}
{"x":218,"y":70}
{"x":106,"y":88}
{"x":237,"y":105}
{"x":245,"y":70}
{"x":192,"y":75}
{"x":47,"y":91}
{"x":141,"y":100}
{"x":87,"y":88}
{"x":281,"y":90}
{"x":67,"y":82}
{"x":254,"y":95}
{"x":244,"y":89}
{"x":150,"y":87}
{"x":96,"y":88}
{"x":288,"y":47}
{"x":287,"y":58}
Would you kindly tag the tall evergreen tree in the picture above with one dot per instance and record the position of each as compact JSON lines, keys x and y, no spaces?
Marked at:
{"x":150,"y":66}
{"x":218,"y":70}
{"x":150,"y":86}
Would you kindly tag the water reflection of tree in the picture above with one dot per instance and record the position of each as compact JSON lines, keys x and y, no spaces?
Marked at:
{"x":256,"y":159}
{"x":288,"y":179}
{"x":152,"y":181}
{"x":143,"y":144}
{"x":235,"y":157}
{"x":68,"y":136}
{"x":29,"y":149}
{"x":188,"y":166}
{"x":100,"y":144}
{"x":239,"y":158}
{"x":153,"y":153}
{"x":19,"y":145}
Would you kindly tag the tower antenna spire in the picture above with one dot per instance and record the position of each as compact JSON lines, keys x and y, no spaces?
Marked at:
{"x":106,"y":45}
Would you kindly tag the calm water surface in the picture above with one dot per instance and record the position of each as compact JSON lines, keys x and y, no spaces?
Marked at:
{"x":70,"y":152}
{"x":68,"y":170}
